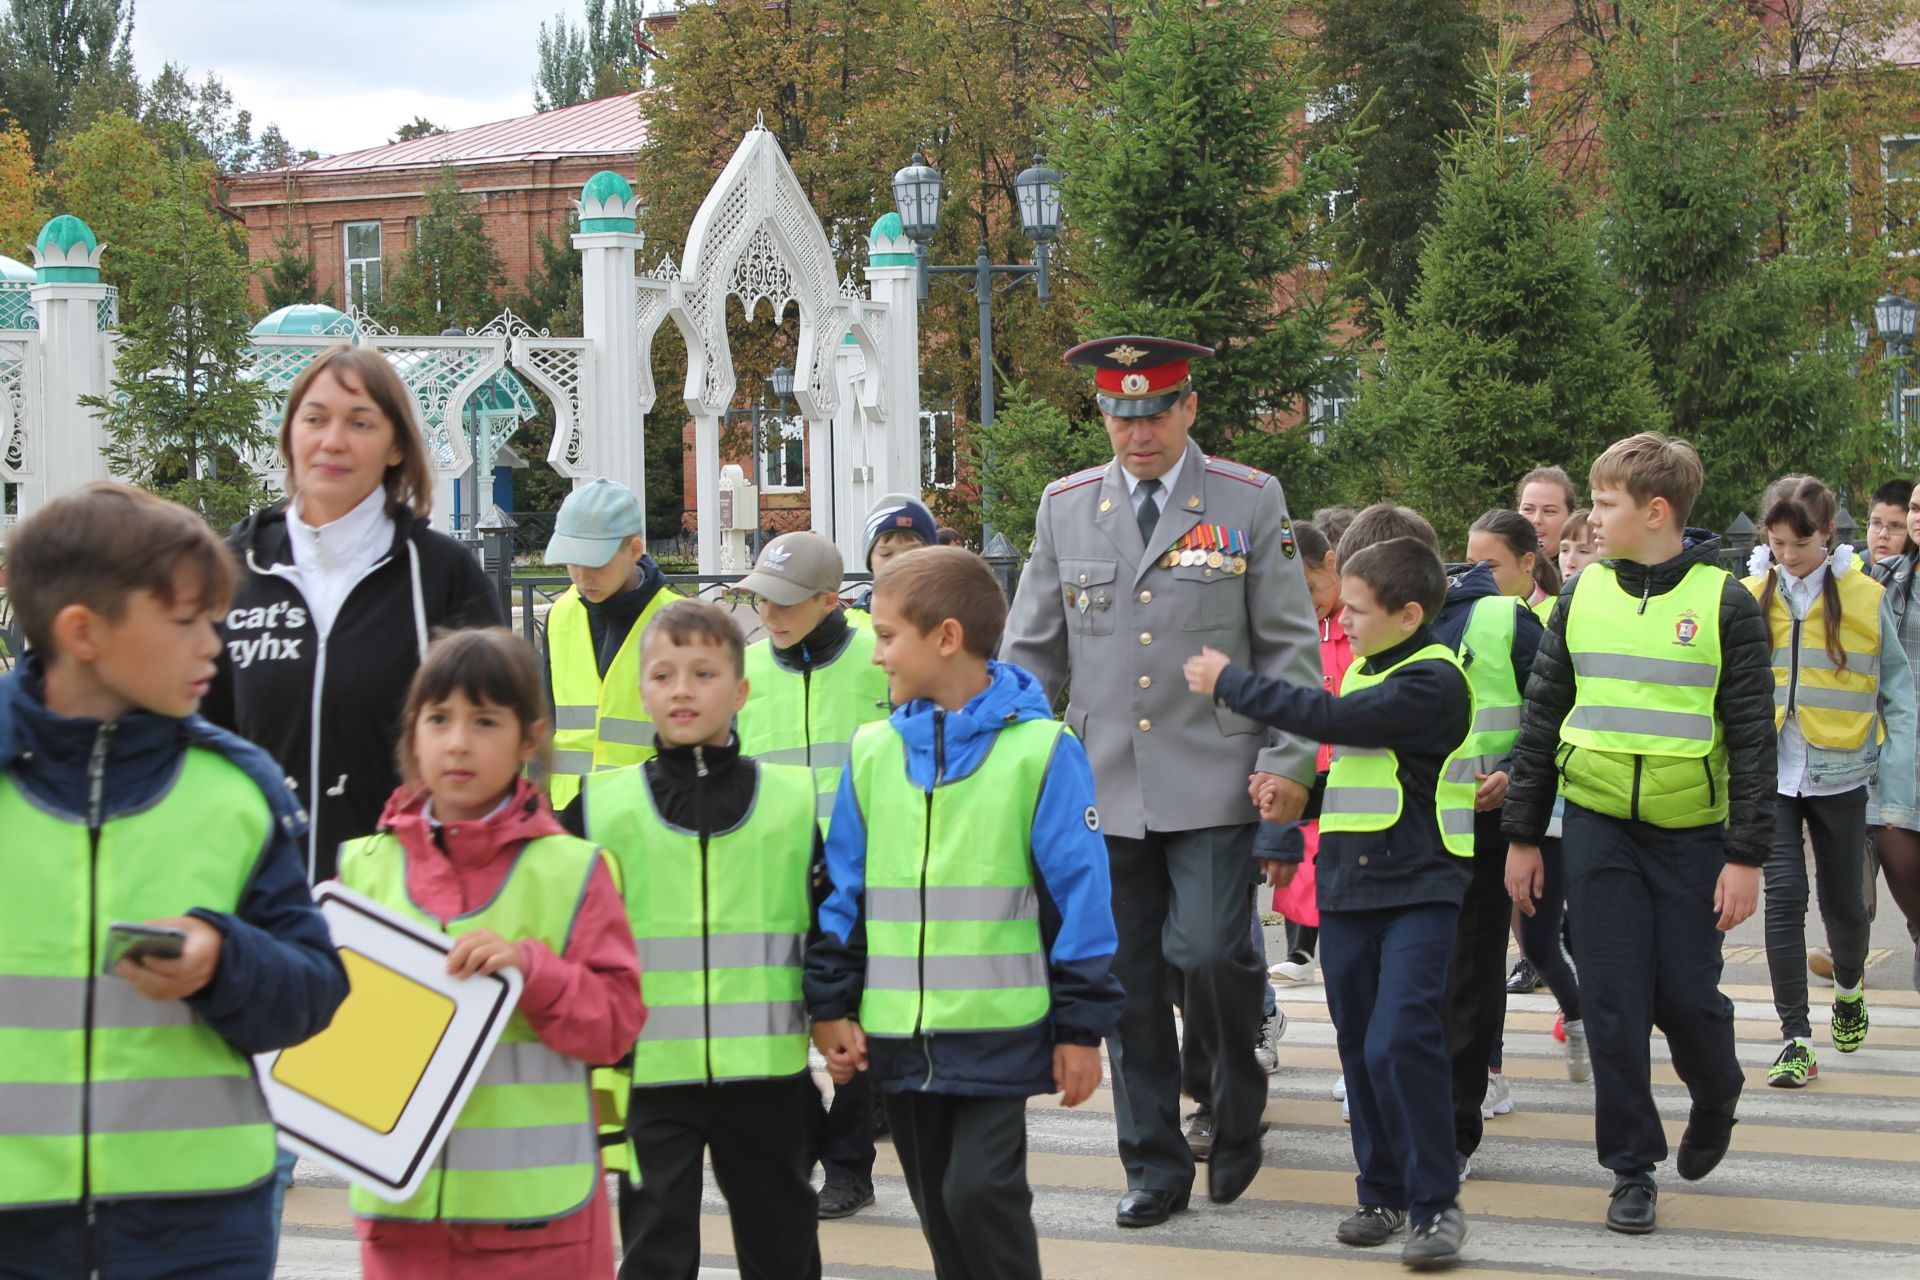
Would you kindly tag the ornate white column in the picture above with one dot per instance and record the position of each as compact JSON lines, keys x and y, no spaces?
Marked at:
{"x":609,"y":239}
{"x":893,"y":278}
{"x":75,"y":356}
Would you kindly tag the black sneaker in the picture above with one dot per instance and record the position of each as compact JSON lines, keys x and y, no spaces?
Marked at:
{"x":1370,"y":1225}
{"x":1435,"y":1243}
{"x":1524,"y":978}
{"x":844,"y":1197}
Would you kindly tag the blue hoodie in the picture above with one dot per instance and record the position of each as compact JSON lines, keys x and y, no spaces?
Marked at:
{"x":278,"y":982}
{"x":1076,"y":906}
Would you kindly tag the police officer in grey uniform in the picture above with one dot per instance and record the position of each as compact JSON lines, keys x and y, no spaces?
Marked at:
{"x":1136,"y":565}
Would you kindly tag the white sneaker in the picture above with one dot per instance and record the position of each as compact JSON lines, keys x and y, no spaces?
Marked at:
{"x":1340,"y":1088}
{"x":1345,"y":1113}
{"x":1499,"y":1099}
{"x":1466,"y":1165}
{"x":1292,"y":971}
{"x":1579,"y":1064}
{"x":1266,"y":1050}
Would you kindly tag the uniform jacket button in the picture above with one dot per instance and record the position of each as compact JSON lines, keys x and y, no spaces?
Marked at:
{"x":1146,"y":597}
{"x":1362,"y":859}
{"x":1145,"y":725}
{"x":1146,"y":637}
{"x":1146,"y":682}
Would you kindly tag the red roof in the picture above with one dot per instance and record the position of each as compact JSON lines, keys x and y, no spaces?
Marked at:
{"x":603,"y":127}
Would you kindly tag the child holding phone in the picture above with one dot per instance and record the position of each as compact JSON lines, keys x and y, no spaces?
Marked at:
{"x":468,"y":846}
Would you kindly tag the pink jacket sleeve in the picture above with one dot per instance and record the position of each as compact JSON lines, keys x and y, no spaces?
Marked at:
{"x":586,"y":1003}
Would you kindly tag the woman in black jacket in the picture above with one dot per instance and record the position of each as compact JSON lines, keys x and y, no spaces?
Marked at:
{"x":341,"y":586}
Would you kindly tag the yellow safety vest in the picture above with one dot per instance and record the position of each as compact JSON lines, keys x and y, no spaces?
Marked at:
{"x":103,"y":1092}
{"x":808,"y":719}
{"x":1363,"y":785}
{"x":597,"y":724}
{"x":1836,"y":709}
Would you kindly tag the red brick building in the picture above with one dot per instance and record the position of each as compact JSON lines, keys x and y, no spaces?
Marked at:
{"x":354,"y":211}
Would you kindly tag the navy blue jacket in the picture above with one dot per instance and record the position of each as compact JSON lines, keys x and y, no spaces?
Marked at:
{"x":1421,"y":712}
{"x":1076,"y":906}
{"x":278,"y":983}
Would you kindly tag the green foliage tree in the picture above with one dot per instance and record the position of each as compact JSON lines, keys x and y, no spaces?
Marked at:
{"x":597,"y":58}
{"x":1031,"y":443}
{"x":451,"y":274}
{"x":418,"y":127}
{"x":289,"y":275}
{"x":1752,"y":342}
{"x":58,"y":56}
{"x":198,"y":120}
{"x":183,"y":410}
{"x":1406,"y":67}
{"x":1516,"y":351}
{"x":1193,"y":221}
{"x":21,"y":185}
{"x":107,"y":175}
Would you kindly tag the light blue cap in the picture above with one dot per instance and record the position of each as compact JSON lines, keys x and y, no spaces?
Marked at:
{"x":594,"y":520}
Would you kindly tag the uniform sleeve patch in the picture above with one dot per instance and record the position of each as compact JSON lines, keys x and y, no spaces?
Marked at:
{"x":1093,"y":818}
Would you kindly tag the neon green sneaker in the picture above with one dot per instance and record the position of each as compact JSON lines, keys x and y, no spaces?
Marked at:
{"x":1793,"y":1068}
{"x":1850,"y":1022}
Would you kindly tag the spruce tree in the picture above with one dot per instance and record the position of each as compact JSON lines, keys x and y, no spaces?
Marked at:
{"x":1750,"y":328}
{"x":451,"y":274}
{"x":184,"y":410}
{"x":289,"y":277}
{"x":1402,"y":71}
{"x":1515,"y":352}
{"x":1194,"y":222}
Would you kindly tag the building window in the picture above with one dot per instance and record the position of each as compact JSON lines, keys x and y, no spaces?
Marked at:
{"x":1327,"y":403}
{"x":363,"y":263}
{"x":939,"y":450}
{"x":1340,"y":201}
{"x":1900,"y":176}
{"x":783,"y":460}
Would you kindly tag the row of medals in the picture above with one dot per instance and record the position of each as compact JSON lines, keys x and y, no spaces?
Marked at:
{"x":1193,"y":557}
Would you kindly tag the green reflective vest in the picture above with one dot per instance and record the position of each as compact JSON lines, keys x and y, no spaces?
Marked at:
{"x":952,"y":912}
{"x":1544,"y":610}
{"x":1487,"y":657}
{"x":1363,"y":786}
{"x":719,"y":924}
{"x":860,"y":619}
{"x":523,"y":1148}
{"x":1642,"y":741}
{"x":808,"y":719}
{"x":103,"y":1092}
{"x":597,"y":724}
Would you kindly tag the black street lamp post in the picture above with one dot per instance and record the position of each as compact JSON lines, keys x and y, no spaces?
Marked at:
{"x":1895,"y":317}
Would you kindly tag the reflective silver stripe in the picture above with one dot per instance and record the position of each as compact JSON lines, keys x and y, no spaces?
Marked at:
{"x":1838,"y":699}
{"x":627,"y":733}
{"x":785,"y":755}
{"x":957,"y":973}
{"x":1358,"y":753}
{"x":1659,"y":724}
{"x":724,"y":1021}
{"x":190,"y":1102}
{"x":1497,"y":720}
{"x":534,"y":1147}
{"x":1673,"y":671}
{"x":952,"y":902}
{"x":573,"y":762}
{"x":574,"y":717}
{"x":720,"y":951}
{"x":823,"y":803}
{"x":39,"y":1003}
{"x":39,"y":1110}
{"x":1462,"y":770}
{"x":1815,"y":658}
{"x":1344,"y":800}
{"x":531,"y":1062}
{"x":1456,"y":822}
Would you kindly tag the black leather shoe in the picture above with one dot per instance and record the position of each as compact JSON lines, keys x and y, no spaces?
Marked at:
{"x":1631,"y":1212}
{"x":1143,"y":1208}
{"x":1703,"y":1144}
{"x":1232,"y":1168}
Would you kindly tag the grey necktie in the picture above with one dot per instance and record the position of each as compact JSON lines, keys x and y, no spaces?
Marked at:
{"x":1149,"y":514}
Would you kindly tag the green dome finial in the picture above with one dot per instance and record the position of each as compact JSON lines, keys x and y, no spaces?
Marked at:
{"x":67,"y":250}
{"x":887,"y":243}
{"x":607,"y":203}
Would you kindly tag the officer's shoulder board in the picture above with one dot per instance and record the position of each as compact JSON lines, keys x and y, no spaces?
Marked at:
{"x":1077,"y":480}
{"x":1236,"y":471}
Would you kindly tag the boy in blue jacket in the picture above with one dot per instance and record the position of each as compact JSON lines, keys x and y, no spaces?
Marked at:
{"x":134,"y":1142}
{"x":967,"y":935}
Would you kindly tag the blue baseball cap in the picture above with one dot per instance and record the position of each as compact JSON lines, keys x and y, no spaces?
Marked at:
{"x":594,"y":520}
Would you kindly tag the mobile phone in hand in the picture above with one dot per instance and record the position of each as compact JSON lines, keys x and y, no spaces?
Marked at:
{"x":137,"y":942}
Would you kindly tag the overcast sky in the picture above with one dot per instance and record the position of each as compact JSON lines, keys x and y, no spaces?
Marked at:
{"x":339,"y":75}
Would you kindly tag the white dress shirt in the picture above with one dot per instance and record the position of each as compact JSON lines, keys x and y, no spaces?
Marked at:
{"x":1167,"y":482}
